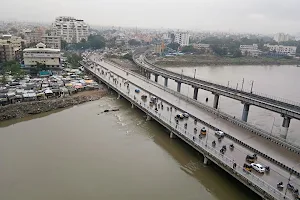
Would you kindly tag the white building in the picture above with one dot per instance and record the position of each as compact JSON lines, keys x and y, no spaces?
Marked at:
{"x":201,"y":46}
{"x":281,"y":37}
{"x":182,"y":38}
{"x":249,"y":50}
{"x":70,"y":29}
{"x":53,"y":42}
{"x":43,"y":55}
{"x":280,"y":49}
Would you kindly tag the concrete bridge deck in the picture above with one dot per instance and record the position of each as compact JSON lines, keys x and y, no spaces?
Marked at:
{"x":279,"y":153}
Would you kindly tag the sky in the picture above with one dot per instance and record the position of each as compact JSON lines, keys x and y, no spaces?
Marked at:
{"x":258,"y":16}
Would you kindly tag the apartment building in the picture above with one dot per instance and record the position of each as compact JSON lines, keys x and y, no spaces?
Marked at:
{"x":182,"y":38}
{"x":10,"y":48}
{"x":70,"y":29}
{"x":52,"y":42}
{"x":41,"y":54}
{"x":249,"y":50}
{"x":34,"y":36}
{"x":280,"y":49}
{"x":281,"y":37}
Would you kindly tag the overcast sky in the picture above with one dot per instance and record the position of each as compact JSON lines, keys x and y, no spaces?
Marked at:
{"x":261,"y":16}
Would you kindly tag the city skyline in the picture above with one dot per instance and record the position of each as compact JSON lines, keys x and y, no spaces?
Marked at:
{"x":266,"y":17}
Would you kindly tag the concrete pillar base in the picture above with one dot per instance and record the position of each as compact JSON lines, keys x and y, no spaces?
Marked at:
{"x":178,"y":86}
{"x":206,"y":160}
{"x":216,"y":101}
{"x":166,"y":82}
{"x":195,"y":93}
{"x":155,"y":78}
{"x":245,"y":112}
{"x":172,"y":135}
{"x":285,"y":125}
{"x":148,"y":118}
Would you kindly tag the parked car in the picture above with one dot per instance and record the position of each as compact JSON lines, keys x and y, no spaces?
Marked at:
{"x":137,"y":90}
{"x":258,"y":167}
{"x":219,"y":134}
{"x":186,"y":115}
{"x":203,"y":131}
{"x":179,"y":116}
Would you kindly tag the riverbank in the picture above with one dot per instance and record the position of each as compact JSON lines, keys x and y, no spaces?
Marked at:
{"x":20,"y":110}
{"x":201,"y":60}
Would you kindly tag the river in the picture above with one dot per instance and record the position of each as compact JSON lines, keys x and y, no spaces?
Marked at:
{"x":277,"y":81}
{"x":80,"y":153}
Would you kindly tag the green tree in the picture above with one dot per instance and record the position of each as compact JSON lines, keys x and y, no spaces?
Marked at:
{"x":64,"y":44}
{"x":174,"y":46}
{"x":3,"y":79}
{"x":237,"y":54}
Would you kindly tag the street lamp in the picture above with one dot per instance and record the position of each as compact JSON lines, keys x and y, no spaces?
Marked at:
{"x":252,"y":82}
{"x":290,"y":179}
{"x":195,"y":73}
{"x":243,"y":84}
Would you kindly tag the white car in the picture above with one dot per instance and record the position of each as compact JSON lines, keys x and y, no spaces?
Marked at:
{"x":219,"y":133}
{"x":186,"y":115}
{"x":258,"y":167}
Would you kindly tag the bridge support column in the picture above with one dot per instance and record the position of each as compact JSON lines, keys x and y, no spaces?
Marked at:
{"x":178,"y":86}
{"x":132,"y":105}
{"x":195,"y":93}
{"x":172,"y":135}
{"x":156,"y":78}
{"x":148,"y":118}
{"x":166,"y":81}
{"x":148,"y":75}
{"x":245,"y":112}
{"x":285,"y":125}
{"x":119,"y":96}
{"x":216,"y":101}
{"x":206,"y":160}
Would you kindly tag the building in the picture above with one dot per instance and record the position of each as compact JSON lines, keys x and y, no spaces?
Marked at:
{"x":34,"y":36}
{"x":249,"y":50}
{"x":7,"y":53}
{"x":43,"y":55}
{"x":281,"y":37}
{"x":284,"y":50}
{"x":10,"y":48}
{"x":159,"y":48}
{"x":70,"y":29}
{"x":52,"y":42}
{"x":182,"y":38}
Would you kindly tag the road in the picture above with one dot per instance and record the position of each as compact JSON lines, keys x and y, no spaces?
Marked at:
{"x":238,"y":154}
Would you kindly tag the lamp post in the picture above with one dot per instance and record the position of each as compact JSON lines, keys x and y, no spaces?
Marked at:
{"x":252,"y":82}
{"x":195,"y":73}
{"x":243,"y":84}
{"x":181,"y":73}
{"x":290,"y":179}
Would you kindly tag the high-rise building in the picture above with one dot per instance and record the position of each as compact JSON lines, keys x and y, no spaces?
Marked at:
{"x":70,"y":29}
{"x":281,"y":37}
{"x":10,"y":48}
{"x":182,"y":38}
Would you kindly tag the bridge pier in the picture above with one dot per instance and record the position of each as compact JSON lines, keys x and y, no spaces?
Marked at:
{"x":132,"y":105}
{"x":148,"y":118}
{"x":148,"y":75}
{"x":178,"y":86}
{"x":245,"y":112}
{"x":119,"y":96}
{"x":216,"y":101}
{"x":172,"y":135}
{"x":166,"y":81}
{"x":285,"y":125}
{"x":206,"y":160}
{"x":195,"y":93}
{"x":156,"y":78}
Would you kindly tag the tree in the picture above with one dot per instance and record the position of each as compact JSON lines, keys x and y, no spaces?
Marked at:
{"x":134,"y":42}
{"x":174,"y":46}
{"x":3,"y":79}
{"x":64,"y":44}
{"x":237,"y":54}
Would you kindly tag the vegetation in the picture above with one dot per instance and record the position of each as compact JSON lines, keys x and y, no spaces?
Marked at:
{"x":173,"y":46}
{"x":191,"y":49}
{"x":73,"y":59}
{"x":64,"y":45}
{"x":134,"y":42}
{"x":128,"y":56}
{"x":93,"y":42}
{"x":13,"y":68}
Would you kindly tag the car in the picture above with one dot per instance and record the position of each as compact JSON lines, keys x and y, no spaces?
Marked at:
{"x":258,"y":167}
{"x":179,"y":116}
{"x":219,"y":133}
{"x":186,"y":115}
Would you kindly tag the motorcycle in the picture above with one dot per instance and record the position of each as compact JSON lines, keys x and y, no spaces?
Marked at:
{"x":290,"y":187}
{"x":224,"y":147}
{"x":213,"y":143}
{"x":231,"y":147}
{"x":267,"y":168}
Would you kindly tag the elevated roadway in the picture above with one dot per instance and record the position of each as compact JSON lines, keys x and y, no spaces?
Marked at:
{"x":117,"y":78}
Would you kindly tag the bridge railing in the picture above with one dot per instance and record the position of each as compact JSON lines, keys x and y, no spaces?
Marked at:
{"x":279,"y":100}
{"x":199,"y":144}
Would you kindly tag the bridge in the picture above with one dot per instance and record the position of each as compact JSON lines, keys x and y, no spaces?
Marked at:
{"x":284,"y":163}
{"x":287,"y":109}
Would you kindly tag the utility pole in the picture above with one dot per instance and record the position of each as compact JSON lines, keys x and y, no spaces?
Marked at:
{"x":243,"y":84}
{"x":195,"y":73}
{"x":251,"y":86}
